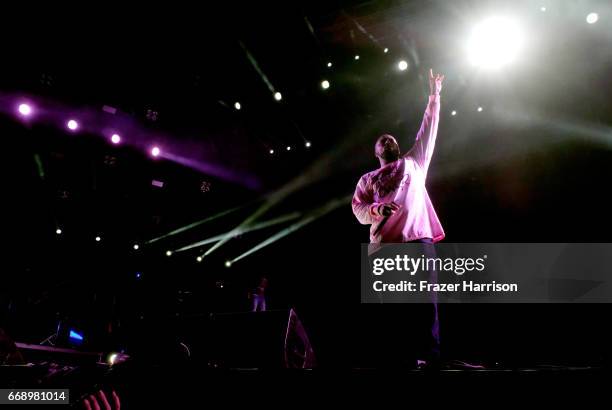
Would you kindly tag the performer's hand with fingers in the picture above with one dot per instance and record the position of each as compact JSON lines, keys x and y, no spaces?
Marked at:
{"x":435,"y":83}
{"x":388,"y":209}
{"x":99,"y":401}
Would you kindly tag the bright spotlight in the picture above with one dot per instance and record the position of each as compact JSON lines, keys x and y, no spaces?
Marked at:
{"x":288,"y":148}
{"x":329,"y":64}
{"x":325,"y":84}
{"x":98,"y":239}
{"x":237,"y":106}
{"x":357,"y":57}
{"x":58,"y":231}
{"x":278,"y":96}
{"x":199,"y":259}
{"x":453,"y":113}
{"x":168,"y":253}
{"x":136,"y":247}
{"x":271,"y":151}
{"x":228,"y":264}
{"x":592,"y":18}
{"x":112,"y":358}
{"x":308,"y":144}
{"x":386,"y":50}
{"x":115,"y":138}
{"x":494,"y":43}
{"x":72,"y":125}
{"x":402,"y":65}
{"x":479,"y":109}
{"x":24,"y":109}
{"x":155,"y":151}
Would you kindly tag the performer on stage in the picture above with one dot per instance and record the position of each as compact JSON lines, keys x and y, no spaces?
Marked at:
{"x":393,"y":198}
{"x":258,"y":295}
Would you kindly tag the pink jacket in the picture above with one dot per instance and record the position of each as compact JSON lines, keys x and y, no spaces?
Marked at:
{"x":403,"y":182}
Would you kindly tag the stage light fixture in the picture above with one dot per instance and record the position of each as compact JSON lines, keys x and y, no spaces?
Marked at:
{"x":479,"y":109}
{"x":228,"y":264}
{"x":453,"y":113}
{"x":75,"y":336}
{"x":112,"y":358}
{"x":271,"y":151}
{"x":115,"y":138}
{"x":58,"y":231}
{"x":199,"y":259}
{"x":168,"y":253}
{"x":98,"y":239}
{"x":495,"y":42}
{"x":386,"y":50}
{"x":155,"y":151}
{"x":288,"y":148}
{"x":308,"y":144}
{"x":402,"y":65}
{"x":325,"y":84}
{"x":357,"y":57}
{"x":329,"y":64}
{"x":592,"y":18}
{"x":136,"y":247}
{"x":237,"y":106}
{"x":24,"y":109}
{"x":278,"y":96}
{"x":72,"y":125}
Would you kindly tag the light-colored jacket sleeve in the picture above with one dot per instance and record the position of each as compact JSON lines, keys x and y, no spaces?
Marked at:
{"x":363,"y":204}
{"x":423,"y":148}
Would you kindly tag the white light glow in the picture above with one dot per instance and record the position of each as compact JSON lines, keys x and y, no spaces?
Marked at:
{"x":592,"y":18}
{"x":494,"y":43}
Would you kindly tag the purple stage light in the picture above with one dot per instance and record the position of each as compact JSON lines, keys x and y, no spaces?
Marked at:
{"x":115,"y":138}
{"x":155,"y":151}
{"x":109,"y":109}
{"x":72,"y":125}
{"x":25,"y":109}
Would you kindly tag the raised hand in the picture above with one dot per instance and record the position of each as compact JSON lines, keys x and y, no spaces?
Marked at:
{"x":435,"y":83}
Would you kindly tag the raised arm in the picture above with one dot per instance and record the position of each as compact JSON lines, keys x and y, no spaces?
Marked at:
{"x":423,"y":147}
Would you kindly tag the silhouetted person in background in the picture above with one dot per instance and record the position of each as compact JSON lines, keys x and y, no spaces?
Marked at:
{"x":258,"y":296}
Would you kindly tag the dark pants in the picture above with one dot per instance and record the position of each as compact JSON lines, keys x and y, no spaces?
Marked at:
{"x":427,"y":325}
{"x":412,"y":329}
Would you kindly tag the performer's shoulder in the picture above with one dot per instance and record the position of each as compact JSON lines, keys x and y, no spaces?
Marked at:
{"x":368,"y":176}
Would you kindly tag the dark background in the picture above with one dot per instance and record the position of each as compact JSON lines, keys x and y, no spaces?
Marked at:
{"x":533,"y":166}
